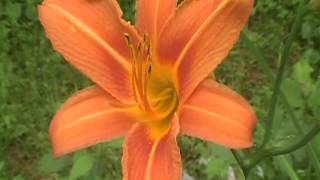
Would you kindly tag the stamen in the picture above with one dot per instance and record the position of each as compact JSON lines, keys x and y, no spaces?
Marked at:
{"x":141,"y":67}
{"x":133,"y":57}
{"x":145,"y":58}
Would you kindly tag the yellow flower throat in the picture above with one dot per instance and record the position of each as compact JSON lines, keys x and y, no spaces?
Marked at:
{"x":153,"y":89}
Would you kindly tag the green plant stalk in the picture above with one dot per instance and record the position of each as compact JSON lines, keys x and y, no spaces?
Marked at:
{"x":257,"y":54}
{"x":309,"y":147}
{"x":100,"y":153}
{"x":265,"y":68}
{"x":240,"y":161}
{"x":283,"y":160}
{"x":238,"y":158}
{"x":283,"y":61}
{"x":262,"y":62}
{"x":284,"y":150}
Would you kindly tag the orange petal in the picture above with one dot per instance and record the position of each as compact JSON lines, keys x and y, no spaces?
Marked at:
{"x":88,"y":117}
{"x":90,"y":35}
{"x":152,"y":15}
{"x":146,"y":159}
{"x":216,"y":113}
{"x":202,"y":33}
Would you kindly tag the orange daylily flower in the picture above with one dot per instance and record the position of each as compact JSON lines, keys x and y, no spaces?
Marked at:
{"x":151,"y":79}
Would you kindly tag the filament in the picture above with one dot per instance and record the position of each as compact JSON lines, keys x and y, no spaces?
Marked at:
{"x":141,"y":64}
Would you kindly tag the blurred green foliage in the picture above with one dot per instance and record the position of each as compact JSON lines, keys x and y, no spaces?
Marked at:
{"x":35,"y":81}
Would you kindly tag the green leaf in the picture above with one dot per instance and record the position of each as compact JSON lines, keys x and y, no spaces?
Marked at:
{"x":293,"y":93}
{"x":1,"y":165}
{"x":31,"y":13}
{"x":302,"y":73}
{"x":302,"y":70}
{"x":217,"y":167}
{"x":18,"y":177}
{"x":315,"y":99}
{"x":13,"y":10}
{"x":117,"y":143}
{"x":222,"y":152}
{"x":82,"y":166}
{"x":307,"y":30}
{"x":49,"y":165}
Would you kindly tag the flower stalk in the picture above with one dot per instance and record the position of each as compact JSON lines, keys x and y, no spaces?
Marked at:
{"x":283,"y":150}
{"x":284,"y":59}
{"x":257,"y":54}
{"x":263,"y":153}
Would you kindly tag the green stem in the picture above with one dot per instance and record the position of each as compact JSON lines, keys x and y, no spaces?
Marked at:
{"x":278,"y":80}
{"x":238,"y":158}
{"x":99,"y":162}
{"x":309,"y":148}
{"x":256,"y":52}
{"x":314,"y":158}
{"x":285,"y":150}
{"x":285,"y":164}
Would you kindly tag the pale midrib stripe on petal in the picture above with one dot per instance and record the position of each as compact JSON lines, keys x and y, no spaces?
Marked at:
{"x":84,"y":118}
{"x":200,"y":30}
{"x":210,"y":113}
{"x":88,"y":31}
{"x":151,"y":159}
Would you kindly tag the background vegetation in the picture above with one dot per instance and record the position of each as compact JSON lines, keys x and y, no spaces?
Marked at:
{"x":35,"y":81}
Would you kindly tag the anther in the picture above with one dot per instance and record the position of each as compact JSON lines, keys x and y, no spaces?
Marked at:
{"x":141,"y":69}
{"x":127,"y":38}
